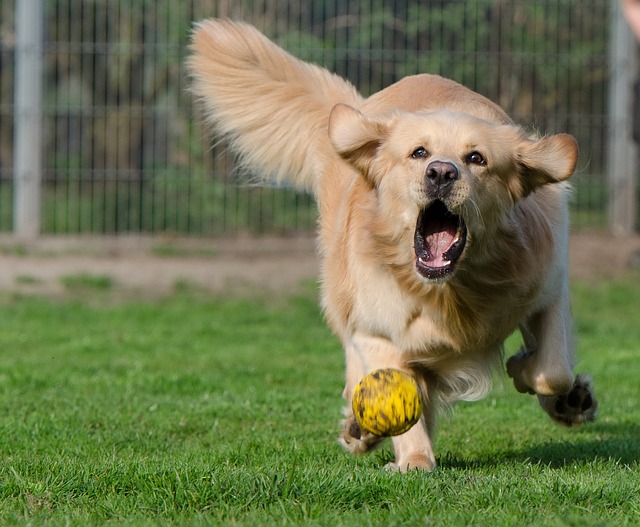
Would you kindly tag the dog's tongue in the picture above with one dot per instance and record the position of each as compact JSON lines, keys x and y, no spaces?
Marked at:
{"x":439,"y":243}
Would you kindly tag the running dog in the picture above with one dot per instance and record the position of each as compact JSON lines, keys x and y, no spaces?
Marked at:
{"x":443,"y":226}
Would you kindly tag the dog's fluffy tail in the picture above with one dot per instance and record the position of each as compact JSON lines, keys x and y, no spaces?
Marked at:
{"x":273,"y":107}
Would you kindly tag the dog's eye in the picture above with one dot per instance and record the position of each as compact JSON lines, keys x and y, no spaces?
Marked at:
{"x":476,"y":158}
{"x":420,"y":153}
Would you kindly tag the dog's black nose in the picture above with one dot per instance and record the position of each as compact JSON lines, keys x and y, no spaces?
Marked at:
{"x":441,"y":175}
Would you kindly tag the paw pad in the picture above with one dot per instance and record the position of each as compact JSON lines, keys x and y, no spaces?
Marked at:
{"x":574,"y":408}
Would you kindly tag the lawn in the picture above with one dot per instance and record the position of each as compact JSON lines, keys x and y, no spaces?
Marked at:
{"x":207,"y":411}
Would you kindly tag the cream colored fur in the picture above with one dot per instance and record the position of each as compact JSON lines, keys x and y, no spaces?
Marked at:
{"x":294,"y":122}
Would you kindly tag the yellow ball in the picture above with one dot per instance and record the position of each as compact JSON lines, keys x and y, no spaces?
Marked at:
{"x":387,"y":402}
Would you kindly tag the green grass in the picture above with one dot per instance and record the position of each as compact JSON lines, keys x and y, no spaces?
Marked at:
{"x":205,"y":411}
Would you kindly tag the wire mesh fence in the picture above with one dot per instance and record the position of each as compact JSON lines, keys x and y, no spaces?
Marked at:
{"x":125,"y":152}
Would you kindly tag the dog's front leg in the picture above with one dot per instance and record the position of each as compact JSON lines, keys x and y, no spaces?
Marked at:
{"x":544,"y":365}
{"x":413,"y":449}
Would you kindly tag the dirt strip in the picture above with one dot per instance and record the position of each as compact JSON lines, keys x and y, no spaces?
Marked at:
{"x":153,"y":267}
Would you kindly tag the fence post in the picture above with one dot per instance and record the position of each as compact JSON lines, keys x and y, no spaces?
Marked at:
{"x":623,"y":158}
{"x":28,"y":118}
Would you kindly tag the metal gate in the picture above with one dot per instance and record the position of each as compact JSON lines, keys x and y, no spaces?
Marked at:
{"x":123,"y":151}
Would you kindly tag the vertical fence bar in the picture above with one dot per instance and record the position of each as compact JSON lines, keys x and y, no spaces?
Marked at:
{"x":28,"y":118}
{"x":623,"y":152}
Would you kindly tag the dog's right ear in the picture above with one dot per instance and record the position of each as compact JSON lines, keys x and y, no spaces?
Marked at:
{"x":356,"y":138}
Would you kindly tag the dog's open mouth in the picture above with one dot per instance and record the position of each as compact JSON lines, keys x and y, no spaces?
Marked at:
{"x":439,"y":240}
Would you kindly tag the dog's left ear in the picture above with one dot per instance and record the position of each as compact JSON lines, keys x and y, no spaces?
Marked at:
{"x":356,"y":138}
{"x":550,"y":159}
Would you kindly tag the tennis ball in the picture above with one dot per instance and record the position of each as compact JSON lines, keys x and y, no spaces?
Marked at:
{"x":387,"y":402}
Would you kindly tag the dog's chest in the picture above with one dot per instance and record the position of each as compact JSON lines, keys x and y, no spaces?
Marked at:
{"x":437,"y":321}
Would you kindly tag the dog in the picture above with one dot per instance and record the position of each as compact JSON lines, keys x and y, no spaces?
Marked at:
{"x":443,"y":226}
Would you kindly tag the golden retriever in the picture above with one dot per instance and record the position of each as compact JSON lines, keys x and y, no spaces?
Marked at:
{"x":442,"y":225}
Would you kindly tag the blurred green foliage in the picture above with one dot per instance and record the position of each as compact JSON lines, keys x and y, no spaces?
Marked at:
{"x":124,"y":149}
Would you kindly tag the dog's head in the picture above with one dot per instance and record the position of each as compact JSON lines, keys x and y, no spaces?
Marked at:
{"x":450,"y":176}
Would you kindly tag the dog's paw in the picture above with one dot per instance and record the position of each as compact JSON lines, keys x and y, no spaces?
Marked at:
{"x":515,"y":365}
{"x":574,"y":408}
{"x":355,"y":439}
{"x":414,"y":462}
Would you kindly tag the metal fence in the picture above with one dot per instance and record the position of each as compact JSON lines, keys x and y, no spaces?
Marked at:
{"x":123,"y":151}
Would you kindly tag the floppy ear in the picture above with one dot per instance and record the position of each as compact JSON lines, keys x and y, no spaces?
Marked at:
{"x":548,"y":160}
{"x":356,"y":138}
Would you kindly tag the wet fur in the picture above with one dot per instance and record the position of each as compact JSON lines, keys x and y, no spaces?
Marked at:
{"x":294,"y":122}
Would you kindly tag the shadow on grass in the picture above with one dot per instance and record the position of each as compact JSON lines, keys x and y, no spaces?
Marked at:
{"x":616,"y":442}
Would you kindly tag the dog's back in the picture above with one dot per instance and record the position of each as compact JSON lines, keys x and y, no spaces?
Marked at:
{"x":426,"y":92}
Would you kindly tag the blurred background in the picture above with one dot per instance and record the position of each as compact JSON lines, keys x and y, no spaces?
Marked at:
{"x":117,"y":148}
